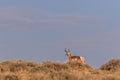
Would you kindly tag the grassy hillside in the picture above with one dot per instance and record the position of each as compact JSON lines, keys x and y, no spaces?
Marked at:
{"x":25,"y":70}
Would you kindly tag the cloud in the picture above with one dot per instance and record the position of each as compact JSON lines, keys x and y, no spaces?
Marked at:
{"x":13,"y":18}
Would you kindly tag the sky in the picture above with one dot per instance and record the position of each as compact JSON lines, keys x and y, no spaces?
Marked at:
{"x":40,"y":30}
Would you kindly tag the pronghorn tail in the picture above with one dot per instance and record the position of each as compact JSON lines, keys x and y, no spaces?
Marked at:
{"x":82,"y":59}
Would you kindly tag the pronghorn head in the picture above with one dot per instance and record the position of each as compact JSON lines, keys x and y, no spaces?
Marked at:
{"x":68,"y":52}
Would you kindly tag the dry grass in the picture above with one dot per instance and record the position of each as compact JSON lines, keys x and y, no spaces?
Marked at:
{"x":25,"y":70}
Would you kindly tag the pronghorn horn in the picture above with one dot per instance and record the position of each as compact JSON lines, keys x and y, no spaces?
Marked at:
{"x":65,"y":50}
{"x":69,"y":50}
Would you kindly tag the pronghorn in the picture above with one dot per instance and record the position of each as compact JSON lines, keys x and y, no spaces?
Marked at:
{"x":79,"y":59}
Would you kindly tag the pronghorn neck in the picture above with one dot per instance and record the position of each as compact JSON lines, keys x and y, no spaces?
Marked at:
{"x":69,"y":56}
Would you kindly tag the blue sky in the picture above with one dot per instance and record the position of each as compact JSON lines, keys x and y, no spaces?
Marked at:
{"x":40,"y":30}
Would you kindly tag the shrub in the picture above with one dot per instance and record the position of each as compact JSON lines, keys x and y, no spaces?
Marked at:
{"x":111,"y":65}
{"x":16,"y":65}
